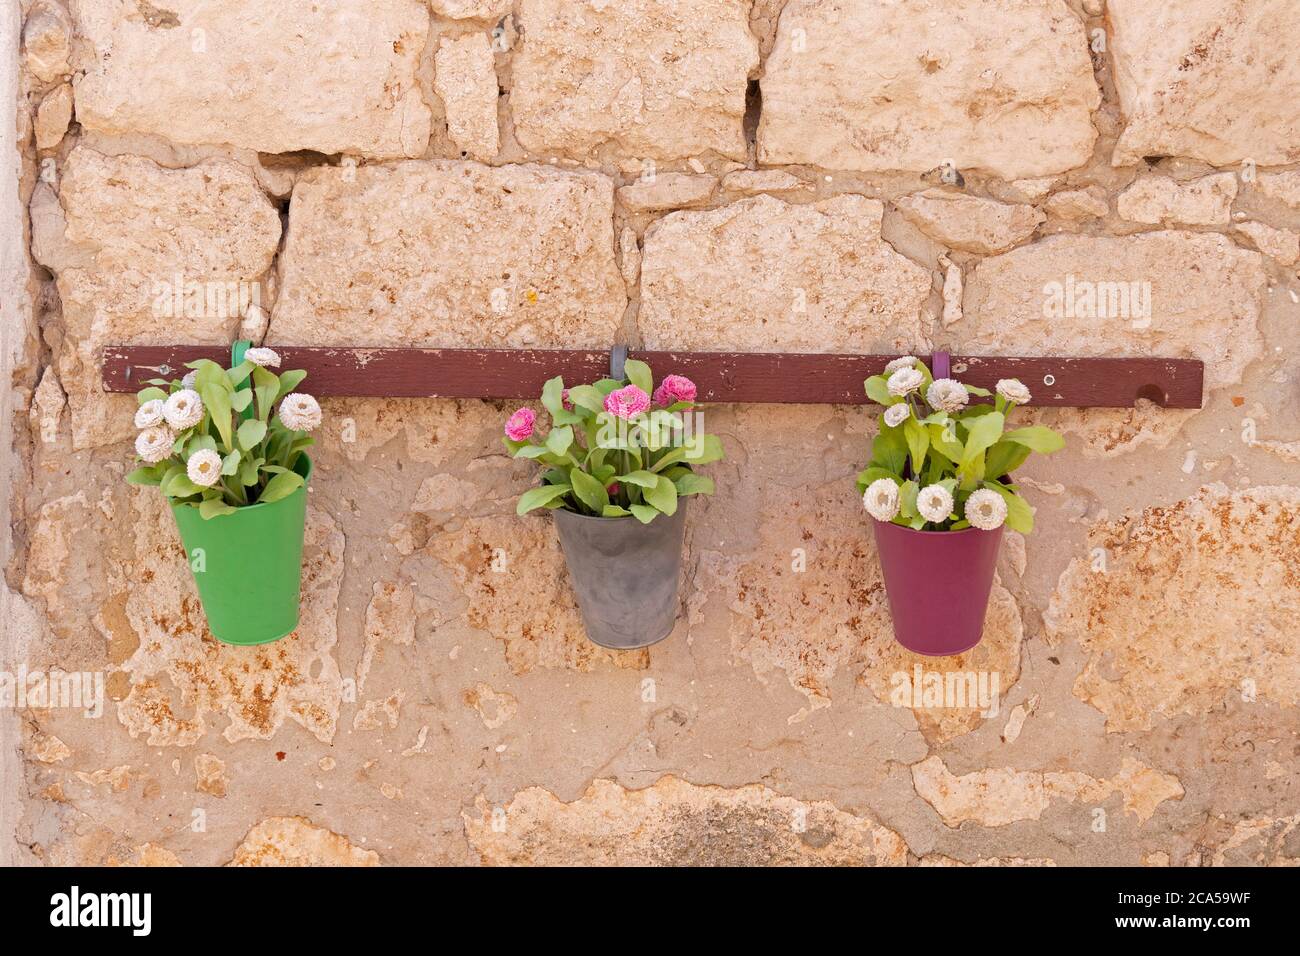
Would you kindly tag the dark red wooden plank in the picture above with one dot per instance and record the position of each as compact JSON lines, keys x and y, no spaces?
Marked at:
{"x":721,"y":376}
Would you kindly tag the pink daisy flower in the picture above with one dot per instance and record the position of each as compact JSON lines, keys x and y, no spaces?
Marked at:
{"x":627,"y":401}
{"x":673,"y":389}
{"x":520,"y":425}
{"x":564,"y":401}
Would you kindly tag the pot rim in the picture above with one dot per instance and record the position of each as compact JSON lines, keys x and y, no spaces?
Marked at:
{"x":243,"y":509}
{"x":903,"y":527}
{"x":573,"y":514}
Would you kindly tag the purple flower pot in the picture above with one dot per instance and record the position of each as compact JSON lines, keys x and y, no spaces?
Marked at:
{"x":938,"y":583}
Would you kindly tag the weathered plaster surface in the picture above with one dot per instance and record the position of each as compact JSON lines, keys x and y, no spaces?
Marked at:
{"x":690,"y":174}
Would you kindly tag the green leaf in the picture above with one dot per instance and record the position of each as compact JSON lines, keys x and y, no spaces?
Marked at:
{"x":585,"y":396}
{"x":149,"y":394}
{"x":180,"y":486}
{"x":982,"y":432}
{"x":537,"y":497}
{"x":248,"y":471}
{"x":873,"y":473}
{"x":944,"y":439}
{"x":217,"y":400}
{"x":692,"y":484}
{"x":250,"y":433}
{"x":1003,"y":458}
{"x":638,"y":373}
{"x":532,"y":451}
{"x":644,"y":479}
{"x":241,"y":399}
{"x":1020,"y":517}
{"x":208,"y":372}
{"x":559,"y":439}
{"x":237,"y":375}
{"x":1040,"y":439}
{"x":644,"y":513}
{"x":976,"y":390}
{"x":615,"y":511}
{"x":918,"y":443}
{"x":589,"y":491}
{"x":289,"y":381}
{"x":877,"y":388}
{"x":144,"y":476}
{"x":212,"y":507}
{"x":703,"y":450}
{"x":281,"y":486}
{"x":889,"y":450}
{"x":267,"y":386}
{"x":907,"y":493}
{"x":230,"y":464}
{"x":663,"y":495}
{"x":551,"y":395}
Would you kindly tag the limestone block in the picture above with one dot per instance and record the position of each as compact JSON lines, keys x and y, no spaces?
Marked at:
{"x":970,"y":223}
{"x":1187,"y":294}
{"x":655,"y":80}
{"x":763,"y":274}
{"x":276,"y":77}
{"x":466,"y":79}
{"x":1075,"y":205}
{"x":1006,"y":88}
{"x":148,"y":255}
{"x":450,"y":254}
{"x":667,"y":191}
{"x":53,"y":116}
{"x":1280,"y":244}
{"x":47,"y":41}
{"x":1207,"y":80}
{"x":1158,"y":199}
{"x":1280,"y":187}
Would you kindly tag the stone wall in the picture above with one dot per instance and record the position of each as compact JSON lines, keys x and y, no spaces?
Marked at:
{"x":809,"y":175}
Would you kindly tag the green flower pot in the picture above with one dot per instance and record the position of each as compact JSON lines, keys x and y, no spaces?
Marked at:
{"x":248,"y":565}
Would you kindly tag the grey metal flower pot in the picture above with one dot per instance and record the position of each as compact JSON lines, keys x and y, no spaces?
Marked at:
{"x":625,"y":574}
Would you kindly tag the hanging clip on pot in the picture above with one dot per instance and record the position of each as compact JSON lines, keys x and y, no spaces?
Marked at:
{"x":237,"y":351}
{"x":617,"y":360}
{"x":941,"y":365}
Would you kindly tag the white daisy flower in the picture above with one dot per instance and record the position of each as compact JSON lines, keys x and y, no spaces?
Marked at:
{"x":986,"y":509}
{"x":149,"y":414}
{"x":204,"y":468}
{"x":190,"y":378}
{"x":183,"y":410}
{"x":947,"y":395}
{"x":300,"y":412}
{"x":934,"y":503}
{"x":895,"y":415}
{"x":154,"y":444}
{"x":1013,"y":390}
{"x":906,"y":361}
{"x":881,"y":499}
{"x":267,"y":358}
{"x":905,"y":381}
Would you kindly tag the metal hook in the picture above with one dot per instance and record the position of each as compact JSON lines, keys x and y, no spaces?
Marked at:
{"x":617,"y":360}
